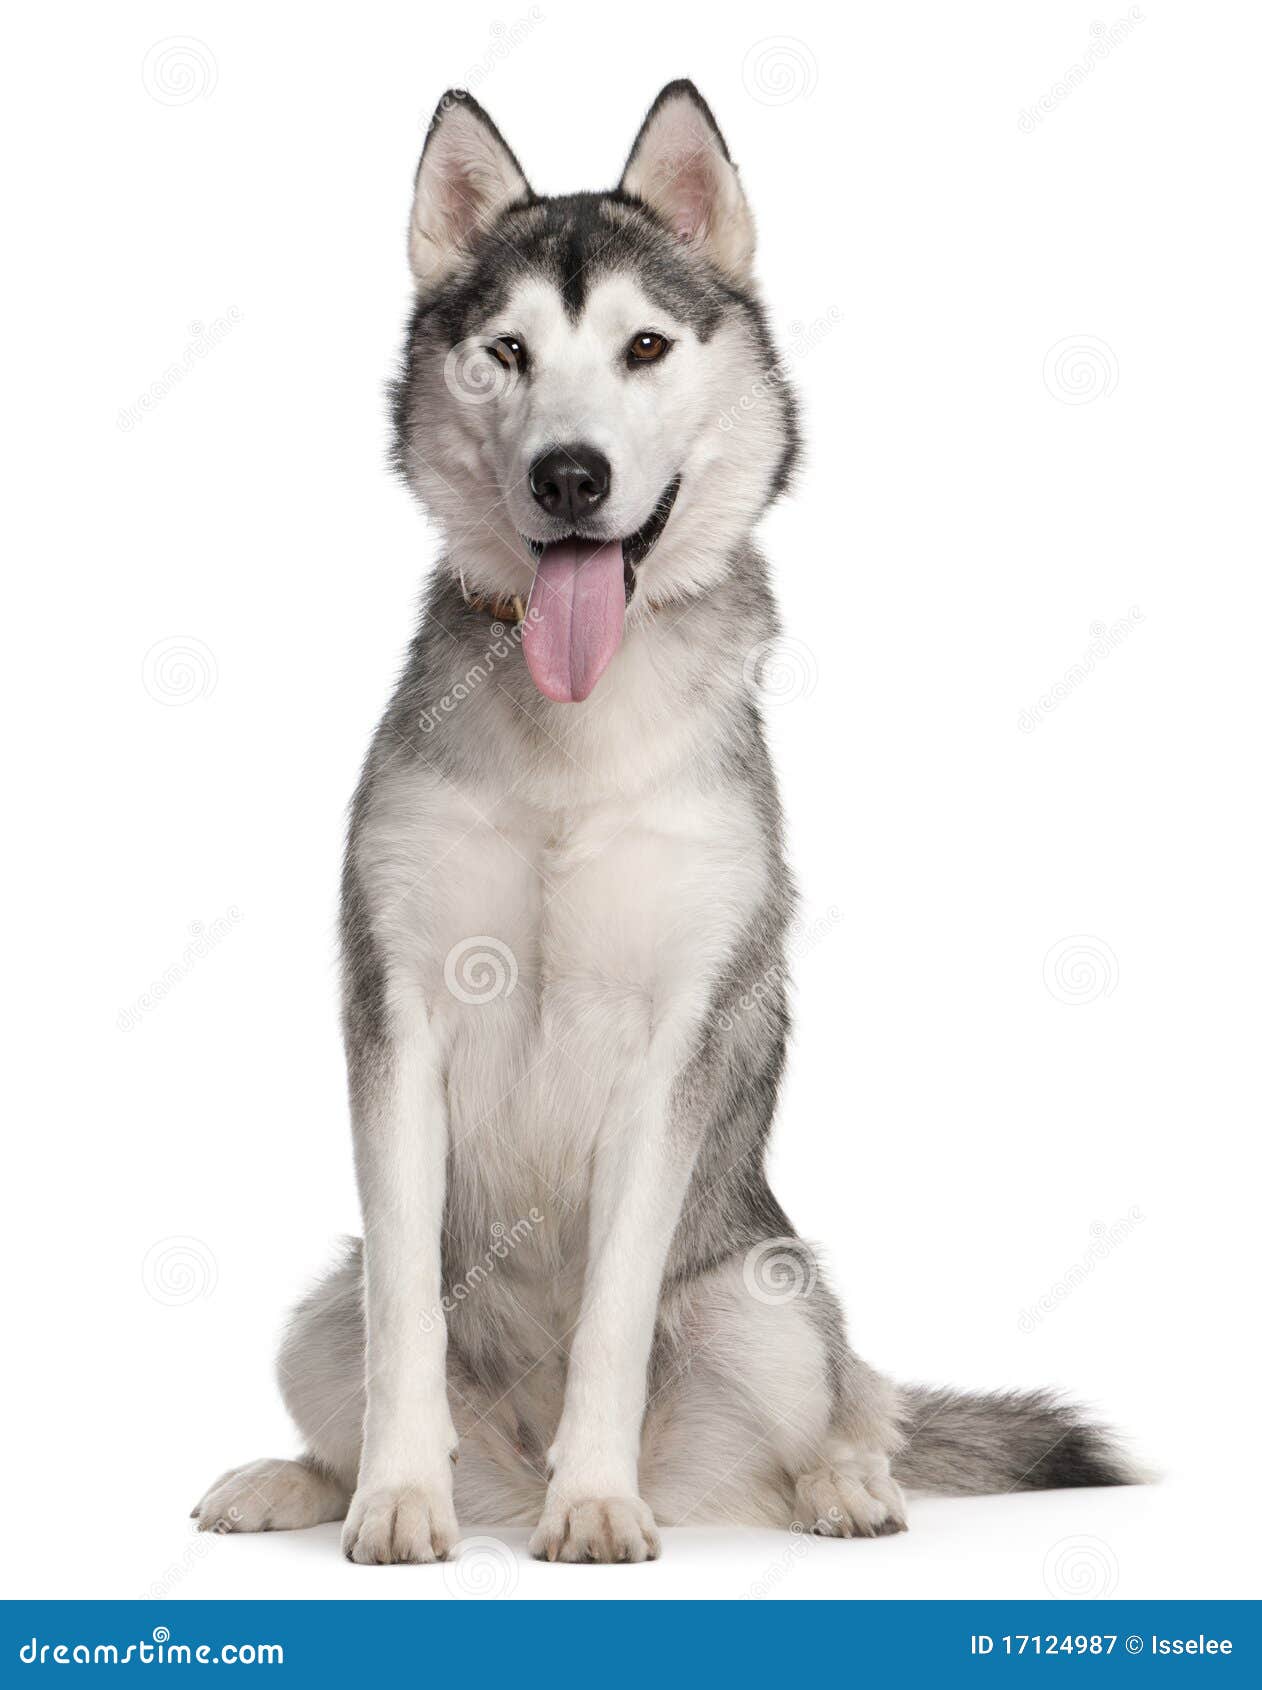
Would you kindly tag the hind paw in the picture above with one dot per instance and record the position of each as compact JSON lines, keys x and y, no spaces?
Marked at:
{"x":854,"y":1496}
{"x":270,"y":1496}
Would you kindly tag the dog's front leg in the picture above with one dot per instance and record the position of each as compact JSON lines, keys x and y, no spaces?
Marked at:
{"x":643,"y":1161}
{"x":402,"y":1508}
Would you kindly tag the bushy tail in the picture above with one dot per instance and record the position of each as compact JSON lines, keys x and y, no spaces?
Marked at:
{"x":977,"y":1445}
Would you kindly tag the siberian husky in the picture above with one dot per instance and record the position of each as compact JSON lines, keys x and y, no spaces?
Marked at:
{"x":577,"y":1304}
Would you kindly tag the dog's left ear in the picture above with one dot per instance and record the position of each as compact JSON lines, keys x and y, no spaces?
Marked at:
{"x":467,"y":176}
{"x":680,"y":167}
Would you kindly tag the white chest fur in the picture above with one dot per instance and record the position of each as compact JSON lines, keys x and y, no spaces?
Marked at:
{"x":557,"y":953}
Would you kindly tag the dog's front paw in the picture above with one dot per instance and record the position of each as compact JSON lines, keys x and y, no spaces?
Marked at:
{"x":606,"y":1528}
{"x":854,"y":1496}
{"x":399,"y":1523}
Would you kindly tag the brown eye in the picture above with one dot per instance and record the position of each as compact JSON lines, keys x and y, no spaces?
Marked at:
{"x":510,"y":352}
{"x":647,"y":348}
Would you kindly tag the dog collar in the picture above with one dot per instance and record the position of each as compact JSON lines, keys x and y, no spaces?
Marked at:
{"x":505,"y":608}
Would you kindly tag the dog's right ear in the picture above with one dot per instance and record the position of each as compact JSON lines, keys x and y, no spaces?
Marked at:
{"x":466,"y":177}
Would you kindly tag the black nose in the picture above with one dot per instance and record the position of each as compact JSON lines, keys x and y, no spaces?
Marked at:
{"x":570,"y":481}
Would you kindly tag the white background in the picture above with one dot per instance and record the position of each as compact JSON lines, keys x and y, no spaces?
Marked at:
{"x":953,"y":1128}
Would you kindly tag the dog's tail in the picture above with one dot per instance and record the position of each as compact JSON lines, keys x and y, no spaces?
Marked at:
{"x":977,"y":1445}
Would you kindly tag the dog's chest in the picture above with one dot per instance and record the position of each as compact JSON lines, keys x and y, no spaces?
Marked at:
{"x":551,"y":949}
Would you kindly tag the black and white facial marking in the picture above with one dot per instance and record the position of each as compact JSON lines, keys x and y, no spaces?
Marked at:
{"x":572,"y":372}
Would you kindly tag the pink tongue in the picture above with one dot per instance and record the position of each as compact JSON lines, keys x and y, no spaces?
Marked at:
{"x":574,"y":619}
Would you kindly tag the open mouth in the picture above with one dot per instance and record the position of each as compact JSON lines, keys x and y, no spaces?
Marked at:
{"x":578,"y":603}
{"x":635,"y":547}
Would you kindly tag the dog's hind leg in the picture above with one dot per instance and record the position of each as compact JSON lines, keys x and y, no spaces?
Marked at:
{"x":272,"y":1496}
{"x":760,"y":1415}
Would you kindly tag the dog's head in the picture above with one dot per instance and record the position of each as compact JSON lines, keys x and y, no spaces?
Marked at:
{"x":590,"y":405}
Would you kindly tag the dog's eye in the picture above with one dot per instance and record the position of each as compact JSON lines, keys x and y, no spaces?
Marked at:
{"x":510,"y":352}
{"x":647,"y":348}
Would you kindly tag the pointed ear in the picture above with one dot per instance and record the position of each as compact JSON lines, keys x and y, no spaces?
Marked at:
{"x":466,"y":177}
{"x":679,"y":166}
